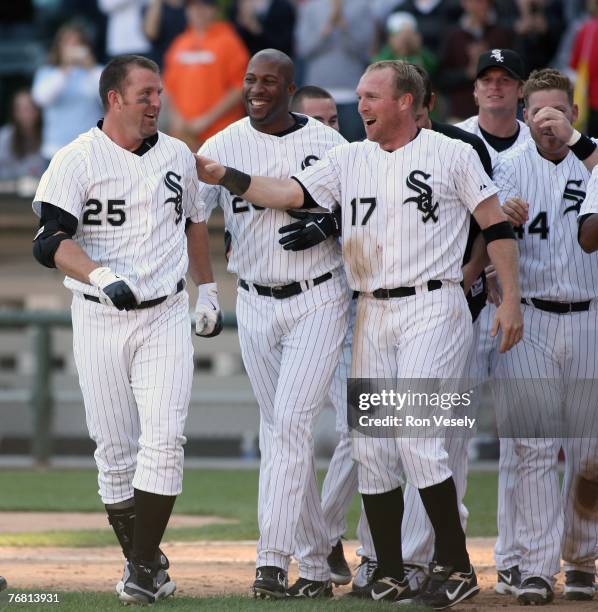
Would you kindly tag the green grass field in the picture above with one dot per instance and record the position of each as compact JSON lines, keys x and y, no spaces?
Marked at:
{"x":226,"y":493}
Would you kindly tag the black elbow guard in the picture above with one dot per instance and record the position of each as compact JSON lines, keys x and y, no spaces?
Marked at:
{"x":47,"y":241}
{"x":498,"y":231}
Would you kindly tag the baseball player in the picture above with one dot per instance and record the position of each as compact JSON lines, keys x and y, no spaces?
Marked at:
{"x":412,"y":318}
{"x":292,"y":311}
{"x":340,"y":483}
{"x":3,"y":583}
{"x":113,"y":206}
{"x":497,"y":91}
{"x":542,"y":185}
{"x":418,"y":538}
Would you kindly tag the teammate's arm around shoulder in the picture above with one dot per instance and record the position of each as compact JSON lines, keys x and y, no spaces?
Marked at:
{"x":261,"y":190}
{"x":208,"y":316}
{"x":503,"y":252}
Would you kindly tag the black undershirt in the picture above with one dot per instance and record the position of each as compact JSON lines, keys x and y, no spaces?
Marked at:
{"x":498,"y":143}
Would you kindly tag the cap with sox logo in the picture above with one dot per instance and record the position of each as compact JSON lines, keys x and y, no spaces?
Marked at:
{"x":507,"y":59}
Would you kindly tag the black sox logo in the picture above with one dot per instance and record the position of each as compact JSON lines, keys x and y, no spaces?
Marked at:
{"x":424,"y":197}
{"x":309,"y":161}
{"x":574,"y":195}
{"x":177,"y":199}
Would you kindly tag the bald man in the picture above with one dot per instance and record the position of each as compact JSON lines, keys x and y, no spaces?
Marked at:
{"x":292,"y":310}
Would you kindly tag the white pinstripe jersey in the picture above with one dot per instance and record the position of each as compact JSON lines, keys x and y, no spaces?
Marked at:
{"x":472,"y":125}
{"x":131,"y":209}
{"x":552,"y":264}
{"x":256,"y":254}
{"x":405,"y":214}
{"x":590,"y":204}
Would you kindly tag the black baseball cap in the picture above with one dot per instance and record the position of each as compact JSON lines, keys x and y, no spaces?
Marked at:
{"x":507,"y":59}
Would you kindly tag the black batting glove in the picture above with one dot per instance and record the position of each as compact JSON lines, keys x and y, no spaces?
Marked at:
{"x":120,"y":295}
{"x":309,"y":230}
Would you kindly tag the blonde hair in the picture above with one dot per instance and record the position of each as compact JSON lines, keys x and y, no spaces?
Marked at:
{"x":407,"y":79}
{"x":547,"y":78}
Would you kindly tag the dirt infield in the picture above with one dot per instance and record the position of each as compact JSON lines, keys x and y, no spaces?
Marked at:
{"x":207,"y":569}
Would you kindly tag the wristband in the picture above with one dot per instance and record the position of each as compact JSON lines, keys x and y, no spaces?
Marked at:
{"x":583,"y":147}
{"x":575,"y":136}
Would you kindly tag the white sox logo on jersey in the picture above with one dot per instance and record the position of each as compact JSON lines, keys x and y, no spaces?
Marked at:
{"x":177,"y":199}
{"x":309,"y":161}
{"x":424,"y":197}
{"x":574,"y":195}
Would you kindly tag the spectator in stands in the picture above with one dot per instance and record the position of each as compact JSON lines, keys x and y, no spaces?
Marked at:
{"x":538,"y":28}
{"x":67,"y":89}
{"x":125,"y":27}
{"x":20,"y":140}
{"x":475,"y":33}
{"x":333,"y":38}
{"x":163,"y":21}
{"x":585,"y":49}
{"x":265,"y":24}
{"x":433,"y":17}
{"x":404,"y":42}
{"x":203,"y":75}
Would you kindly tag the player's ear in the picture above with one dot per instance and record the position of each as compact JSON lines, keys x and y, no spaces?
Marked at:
{"x":574,"y":113}
{"x":526,"y":115}
{"x":114,"y":99}
{"x":291,"y":89}
{"x":405,"y":101}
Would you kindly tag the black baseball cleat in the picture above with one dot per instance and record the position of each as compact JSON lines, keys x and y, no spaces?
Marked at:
{"x":146,"y":584}
{"x":508,"y":581}
{"x":391,"y":589}
{"x":270,"y":581}
{"x":446,"y":587}
{"x":340,"y":573}
{"x":364,"y":578}
{"x":535,"y":591}
{"x":310,"y":589}
{"x":161,"y":559}
{"x":579,"y":586}
{"x":3,"y":584}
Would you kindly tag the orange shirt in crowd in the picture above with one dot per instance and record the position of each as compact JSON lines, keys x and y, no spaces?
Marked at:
{"x":200,"y":69}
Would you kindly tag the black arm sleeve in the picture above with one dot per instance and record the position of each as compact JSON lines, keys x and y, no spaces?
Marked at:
{"x":308,"y":201}
{"x":66,"y":222}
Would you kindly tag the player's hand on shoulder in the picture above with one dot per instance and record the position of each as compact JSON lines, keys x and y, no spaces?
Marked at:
{"x":208,"y":170}
{"x":115,"y":290}
{"x":554,"y":120}
{"x":517,"y":211}
{"x":509,"y":320}
{"x":208,"y":317}
{"x":309,"y":230}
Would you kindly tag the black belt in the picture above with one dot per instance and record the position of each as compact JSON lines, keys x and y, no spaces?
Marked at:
{"x":283,"y":291}
{"x":384,"y":294}
{"x":147,"y":304}
{"x":558,"y":307}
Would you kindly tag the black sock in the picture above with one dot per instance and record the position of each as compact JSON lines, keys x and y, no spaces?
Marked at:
{"x":152,"y":513}
{"x":122,"y":518}
{"x":441,"y":505}
{"x":385,"y":515}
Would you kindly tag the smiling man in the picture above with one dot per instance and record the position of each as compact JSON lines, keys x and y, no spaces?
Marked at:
{"x":292,"y":312}
{"x":405,"y":195}
{"x":113,"y":207}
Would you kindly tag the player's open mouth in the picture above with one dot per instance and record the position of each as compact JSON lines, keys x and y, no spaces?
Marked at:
{"x":369,"y":121}
{"x":150,"y":116}
{"x":258,"y":103}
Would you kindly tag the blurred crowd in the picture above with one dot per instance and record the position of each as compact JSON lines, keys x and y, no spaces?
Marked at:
{"x":52,"y":53}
